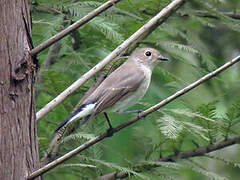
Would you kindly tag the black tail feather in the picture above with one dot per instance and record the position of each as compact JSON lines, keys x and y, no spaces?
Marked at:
{"x":62,"y":124}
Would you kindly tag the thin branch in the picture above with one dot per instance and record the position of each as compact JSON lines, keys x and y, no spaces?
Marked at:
{"x":208,"y":15}
{"x":44,"y":9}
{"x":73,"y":27}
{"x":133,"y":120}
{"x":163,"y":14}
{"x":200,"y":13}
{"x":199,"y":151}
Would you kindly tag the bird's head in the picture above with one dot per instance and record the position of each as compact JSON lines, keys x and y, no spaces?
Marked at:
{"x":147,"y":56}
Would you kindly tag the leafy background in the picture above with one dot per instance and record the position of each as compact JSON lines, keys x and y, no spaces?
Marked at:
{"x":197,"y":39}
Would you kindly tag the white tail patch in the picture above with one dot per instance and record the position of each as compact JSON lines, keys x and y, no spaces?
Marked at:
{"x":87,"y":110}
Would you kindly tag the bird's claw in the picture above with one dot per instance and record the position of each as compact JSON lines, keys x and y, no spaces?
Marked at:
{"x":110,"y":132}
{"x":139,"y":112}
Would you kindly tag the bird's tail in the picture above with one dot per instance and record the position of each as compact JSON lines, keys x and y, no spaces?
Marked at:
{"x":63,"y":123}
{"x":83,"y":111}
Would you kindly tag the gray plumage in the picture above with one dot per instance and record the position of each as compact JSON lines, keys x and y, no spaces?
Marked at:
{"x":122,"y":88}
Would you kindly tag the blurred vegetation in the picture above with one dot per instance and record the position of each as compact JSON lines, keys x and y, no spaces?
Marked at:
{"x":201,"y":36}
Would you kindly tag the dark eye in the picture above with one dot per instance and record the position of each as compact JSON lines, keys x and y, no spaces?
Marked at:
{"x":148,"y":53}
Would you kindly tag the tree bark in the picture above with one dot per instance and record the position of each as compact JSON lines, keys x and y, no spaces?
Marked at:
{"x":18,"y":137}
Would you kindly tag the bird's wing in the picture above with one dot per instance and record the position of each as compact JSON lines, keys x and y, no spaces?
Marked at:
{"x":122,"y":87}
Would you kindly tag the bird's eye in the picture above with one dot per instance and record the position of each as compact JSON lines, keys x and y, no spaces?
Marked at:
{"x":148,"y":53}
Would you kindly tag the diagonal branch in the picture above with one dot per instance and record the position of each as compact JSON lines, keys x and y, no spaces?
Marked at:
{"x":199,"y":151}
{"x":133,"y":120}
{"x":73,"y":27}
{"x":200,"y":13}
{"x":208,"y":15}
{"x":162,"y":15}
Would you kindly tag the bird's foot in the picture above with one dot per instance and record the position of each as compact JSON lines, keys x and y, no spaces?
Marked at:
{"x":139,"y":112}
{"x":110,"y":132}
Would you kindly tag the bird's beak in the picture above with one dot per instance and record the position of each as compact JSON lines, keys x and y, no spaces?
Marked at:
{"x":161,"y":58}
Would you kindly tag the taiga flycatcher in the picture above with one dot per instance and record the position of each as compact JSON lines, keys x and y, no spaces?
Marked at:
{"x":123,"y":88}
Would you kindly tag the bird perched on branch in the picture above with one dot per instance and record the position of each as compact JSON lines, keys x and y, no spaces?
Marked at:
{"x":123,"y":88}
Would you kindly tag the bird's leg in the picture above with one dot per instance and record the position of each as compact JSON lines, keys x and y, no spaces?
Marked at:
{"x":110,"y":129}
{"x":135,"y":111}
{"x":108,"y":121}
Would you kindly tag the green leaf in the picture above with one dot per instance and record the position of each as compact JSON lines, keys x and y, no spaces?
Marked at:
{"x":169,"y":126}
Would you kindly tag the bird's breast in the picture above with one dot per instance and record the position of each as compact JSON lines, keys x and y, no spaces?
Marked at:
{"x":135,"y":96}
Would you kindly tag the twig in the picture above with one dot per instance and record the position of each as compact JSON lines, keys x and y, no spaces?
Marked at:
{"x":200,"y":151}
{"x":133,"y":120}
{"x":73,"y":27}
{"x":208,"y":15}
{"x":163,"y":14}
{"x":201,"y":13}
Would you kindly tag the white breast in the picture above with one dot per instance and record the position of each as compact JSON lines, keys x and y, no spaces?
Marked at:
{"x":137,"y":95}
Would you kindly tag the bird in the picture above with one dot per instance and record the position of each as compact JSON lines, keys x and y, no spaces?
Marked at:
{"x":123,"y":88}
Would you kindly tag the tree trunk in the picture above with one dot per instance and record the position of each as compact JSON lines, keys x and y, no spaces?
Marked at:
{"x":18,"y":138}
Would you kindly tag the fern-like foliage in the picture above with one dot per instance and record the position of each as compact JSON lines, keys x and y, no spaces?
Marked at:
{"x":103,"y":23}
{"x":201,"y":170}
{"x":224,"y":160}
{"x":77,"y":136}
{"x":119,"y":168}
{"x":209,"y":110}
{"x":170,"y":127}
{"x":231,"y":121}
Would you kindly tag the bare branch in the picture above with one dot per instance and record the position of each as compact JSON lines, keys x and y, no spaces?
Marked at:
{"x":200,"y":151}
{"x":162,"y":15}
{"x":73,"y":27}
{"x":133,"y":120}
{"x":208,"y":15}
{"x":200,"y":13}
